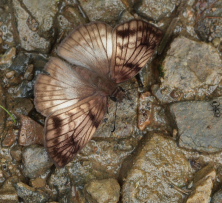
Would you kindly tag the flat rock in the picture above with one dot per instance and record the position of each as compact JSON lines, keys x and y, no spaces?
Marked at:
{"x":32,"y":28}
{"x":157,"y":9}
{"x":35,"y":160}
{"x":106,"y":11}
{"x":198,"y":128}
{"x":103,"y":191}
{"x":158,"y":165}
{"x":191,"y":70}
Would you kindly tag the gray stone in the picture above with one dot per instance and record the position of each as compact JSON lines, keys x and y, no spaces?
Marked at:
{"x":217,"y":197}
{"x":35,"y":160}
{"x":32,"y":28}
{"x":60,"y":181}
{"x":103,"y":191}
{"x":158,"y":165}
{"x":208,"y":21}
{"x":198,"y":128}
{"x":30,"y":195}
{"x":191,"y":70}
{"x":157,"y":9}
{"x":102,"y":10}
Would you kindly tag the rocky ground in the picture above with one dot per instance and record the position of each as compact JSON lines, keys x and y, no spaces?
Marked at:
{"x":167,"y":146}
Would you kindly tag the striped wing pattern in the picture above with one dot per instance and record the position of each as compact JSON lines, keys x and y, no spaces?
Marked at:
{"x":89,"y":46}
{"x":73,"y":95}
{"x":68,"y":130}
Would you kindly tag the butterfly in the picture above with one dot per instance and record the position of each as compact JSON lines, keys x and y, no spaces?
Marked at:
{"x":93,"y":60}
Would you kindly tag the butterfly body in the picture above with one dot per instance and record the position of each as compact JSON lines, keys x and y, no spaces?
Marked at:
{"x":74,"y":94}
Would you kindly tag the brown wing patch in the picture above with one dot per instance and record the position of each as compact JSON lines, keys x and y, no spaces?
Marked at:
{"x":134,"y":45}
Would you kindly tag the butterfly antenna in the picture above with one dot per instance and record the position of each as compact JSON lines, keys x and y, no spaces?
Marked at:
{"x":114,"y":126}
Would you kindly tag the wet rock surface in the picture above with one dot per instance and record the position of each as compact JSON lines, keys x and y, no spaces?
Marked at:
{"x":167,"y":132}
{"x":199,"y":127}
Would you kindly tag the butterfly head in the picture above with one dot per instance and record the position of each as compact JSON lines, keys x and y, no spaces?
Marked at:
{"x":118,"y":95}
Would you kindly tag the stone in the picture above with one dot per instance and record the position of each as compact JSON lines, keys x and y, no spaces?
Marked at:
{"x":186,"y":78}
{"x":157,"y":9}
{"x":16,"y":153}
{"x":33,"y":29}
{"x":7,"y":31}
{"x":8,"y":193}
{"x":35,"y":160}
{"x":60,"y":181}
{"x":11,"y":136}
{"x":208,"y":20}
{"x":103,"y":191}
{"x":203,"y":185}
{"x":38,"y":183}
{"x":7,"y":58}
{"x":217,"y":197}
{"x":198,"y":128}
{"x":103,"y":156}
{"x":31,"y":132}
{"x":106,"y":11}
{"x":29,"y":194}
{"x":150,"y":113}
{"x":157,"y":165}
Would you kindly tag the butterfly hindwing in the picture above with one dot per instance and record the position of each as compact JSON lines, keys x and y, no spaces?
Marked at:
{"x":134,"y":44}
{"x":68,"y":130}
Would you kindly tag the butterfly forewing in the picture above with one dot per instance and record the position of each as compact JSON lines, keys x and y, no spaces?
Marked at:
{"x":60,"y":88}
{"x":134,"y":44}
{"x":89,"y":46}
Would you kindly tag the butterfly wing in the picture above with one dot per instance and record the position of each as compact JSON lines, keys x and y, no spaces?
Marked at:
{"x":68,"y":130}
{"x":89,"y":46}
{"x":73,"y":108}
{"x":134,"y":44}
